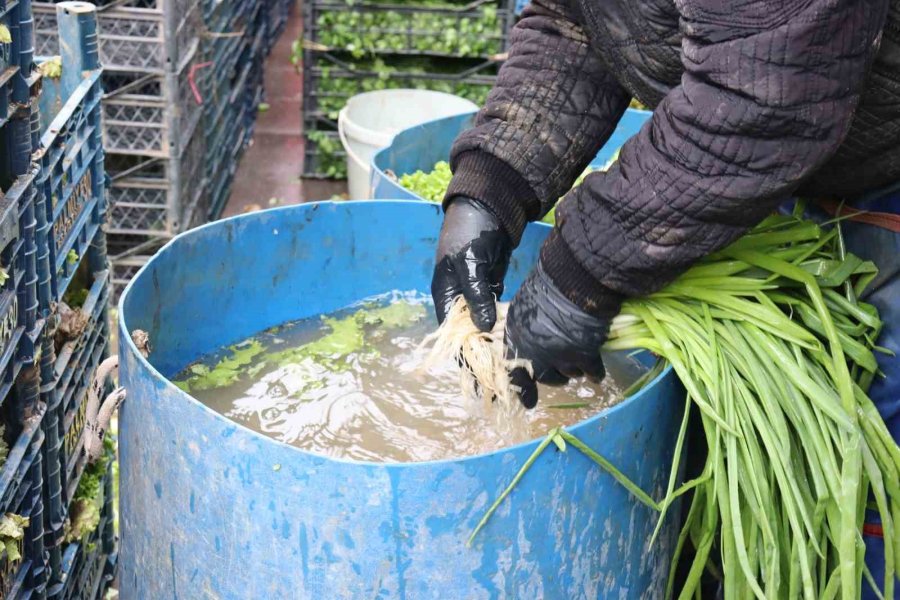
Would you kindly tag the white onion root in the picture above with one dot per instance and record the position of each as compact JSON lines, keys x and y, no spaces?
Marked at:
{"x":484,"y":373}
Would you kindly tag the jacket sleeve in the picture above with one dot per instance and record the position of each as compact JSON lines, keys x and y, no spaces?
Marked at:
{"x":551,"y":110}
{"x":767,"y":96}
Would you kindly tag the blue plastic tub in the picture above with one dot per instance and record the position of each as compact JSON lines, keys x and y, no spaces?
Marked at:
{"x":420,"y":147}
{"x":212,"y":509}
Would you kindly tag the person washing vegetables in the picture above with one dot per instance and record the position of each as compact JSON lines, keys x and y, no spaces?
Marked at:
{"x":754,"y":103}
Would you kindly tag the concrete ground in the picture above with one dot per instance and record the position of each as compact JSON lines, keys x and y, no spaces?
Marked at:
{"x":269,"y":172}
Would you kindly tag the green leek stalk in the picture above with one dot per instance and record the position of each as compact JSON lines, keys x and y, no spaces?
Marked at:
{"x":776,"y":353}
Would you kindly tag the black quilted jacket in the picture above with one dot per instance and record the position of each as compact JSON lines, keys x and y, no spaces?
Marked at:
{"x":754,"y":100}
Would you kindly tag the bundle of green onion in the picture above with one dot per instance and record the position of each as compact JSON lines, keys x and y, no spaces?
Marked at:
{"x":776,"y":352}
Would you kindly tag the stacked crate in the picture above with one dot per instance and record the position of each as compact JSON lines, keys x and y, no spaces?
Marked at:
{"x":354,"y":47}
{"x":57,"y":538}
{"x":182,"y":81}
{"x":23,"y":570}
{"x":51,"y":204}
{"x":236,"y":46}
{"x":239,"y":36}
{"x":72,"y":293}
{"x":150,"y":52}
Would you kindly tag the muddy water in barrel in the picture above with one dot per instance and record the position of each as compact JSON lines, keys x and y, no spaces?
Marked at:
{"x":347,"y":385}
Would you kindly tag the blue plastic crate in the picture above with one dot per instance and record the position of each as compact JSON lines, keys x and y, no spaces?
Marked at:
{"x":9,"y":17}
{"x":18,"y":577}
{"x":27,"y":576}
{"x":232,"y":127}
{"x":21,"y":480}
{"x":25,"y":46}
{"x":71,"y":179}
{"x":88,"y":566}
{"x":50,"y":101}
{"x":222,"y":164}
{"x":223,"y":150}
{"x":23,"y":195}
{"x":228,"y":53}
{"x":16,"y":57}
{"x":251,"y":78}
{"x":87,"y":570}
{"x":68,"y":367}
{"x":12,"y":322}
{"x":218,"y":14}
{"x":220,"y":188}
{"x":19,"y":89}
{"x":77,"y":363}
{"x":17,"y":143}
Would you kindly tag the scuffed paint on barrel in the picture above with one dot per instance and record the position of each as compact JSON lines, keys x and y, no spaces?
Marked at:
{"x":212,"y":510}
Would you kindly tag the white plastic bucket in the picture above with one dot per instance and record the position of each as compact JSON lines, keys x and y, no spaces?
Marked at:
{"x":369,"y":122}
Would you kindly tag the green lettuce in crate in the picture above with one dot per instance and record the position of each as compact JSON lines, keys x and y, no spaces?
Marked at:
{"x":365,"y":32}
{"x":329,"y":154}
{"x":87,"y":504}
{"x":336,"y":86}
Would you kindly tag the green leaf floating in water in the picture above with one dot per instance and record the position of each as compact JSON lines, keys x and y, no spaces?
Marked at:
{"x":241,"y":354}
{"x":345,"y":336}
{"x":392,"y":316}
{"x":226,"y":372}
{"x":348,"y":335}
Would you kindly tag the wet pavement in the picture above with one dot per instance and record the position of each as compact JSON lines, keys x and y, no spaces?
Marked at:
{"x":269,"y":172}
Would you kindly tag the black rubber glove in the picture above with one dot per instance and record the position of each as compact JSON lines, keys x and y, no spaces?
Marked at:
{"x":560,"y":339}
{"x":472,"y":258}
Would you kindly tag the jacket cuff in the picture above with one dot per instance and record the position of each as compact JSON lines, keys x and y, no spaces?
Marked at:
{"x":496,"y":185}
{"x":575,"y":282}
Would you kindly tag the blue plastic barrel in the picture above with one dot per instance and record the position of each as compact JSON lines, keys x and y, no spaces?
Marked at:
{"x":420,"y":147}
{"x":210,"y":509}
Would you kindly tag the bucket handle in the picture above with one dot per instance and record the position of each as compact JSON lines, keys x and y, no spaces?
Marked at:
{"x":343,"y":136}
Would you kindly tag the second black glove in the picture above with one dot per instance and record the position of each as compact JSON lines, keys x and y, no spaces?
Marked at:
{"x":561,"y":340}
